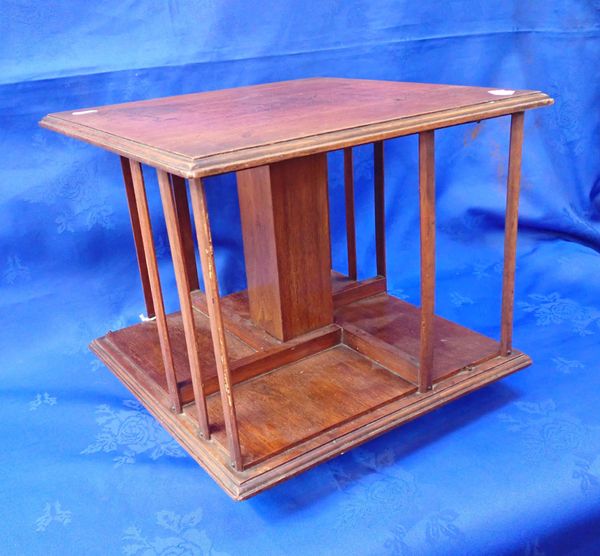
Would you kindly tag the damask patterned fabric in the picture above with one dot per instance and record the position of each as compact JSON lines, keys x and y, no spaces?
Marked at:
{"x":511,"y":469}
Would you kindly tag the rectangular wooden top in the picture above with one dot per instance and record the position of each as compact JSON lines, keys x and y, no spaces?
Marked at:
{"x":208,"y":133}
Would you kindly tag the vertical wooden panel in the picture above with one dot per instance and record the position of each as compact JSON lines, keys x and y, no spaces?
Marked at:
{"x":510,"y":231}
{"x":427,"y":208}
{"x":137,"y":236}
{"x":350,"y":219}
{"x":301,"y":209}
{"x":285,"y":224}
{"x":260,"y":248}
{"x":185,"y":226}
{"x":183,"y":288}
{"x":217,"y":329}
{"x":155,"y":287}
{"x":378,"y":163}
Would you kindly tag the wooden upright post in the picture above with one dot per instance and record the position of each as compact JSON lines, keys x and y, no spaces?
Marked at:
{"x":155,"y":287}
{"x":137,"y":236}
{"x":217,"y":329}
{"x":427,"y":205}
{"x":178,"y":253}
{"x":510,"y":231}
{"x":182,"y":209}
{"x":378,"y":164}
{"x":350,"y":219}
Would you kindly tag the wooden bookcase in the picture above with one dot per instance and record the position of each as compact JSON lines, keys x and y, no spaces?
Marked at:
{"x":306,"y":363}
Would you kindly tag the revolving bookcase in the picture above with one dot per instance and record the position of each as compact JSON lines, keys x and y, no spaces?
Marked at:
{"x":306,"y":363}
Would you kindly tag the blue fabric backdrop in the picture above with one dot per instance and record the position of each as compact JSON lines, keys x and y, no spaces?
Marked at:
{"x":513,"y":468}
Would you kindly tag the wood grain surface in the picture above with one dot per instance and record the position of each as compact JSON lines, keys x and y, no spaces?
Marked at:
{"x":278,"y":410}
{"x":395,"y":324}
{"x":285,"y":225}
{"x":262,"y":384}
{"x":206,"y":133}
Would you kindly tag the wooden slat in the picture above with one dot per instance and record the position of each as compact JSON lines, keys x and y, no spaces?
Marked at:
{"x":211,"y":288}
{"x":154,"y":279}
{"x":178,"y":254}
{"x":379,"y":351}
{"x":235,"y":309}
{"x":397,"y":323}
{"x":510,"y":233}
{"x":350,"y":218}
{"x":379,"y":207}
{"x":185,"y":227}
{"x":354,"y":291}
{"x":137,"y":236}
{"x":265,"y":361}
{"x":427,"y":207}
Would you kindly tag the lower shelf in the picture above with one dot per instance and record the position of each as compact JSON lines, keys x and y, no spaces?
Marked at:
{"x":296,"y":402}
{"x":341,"y":392}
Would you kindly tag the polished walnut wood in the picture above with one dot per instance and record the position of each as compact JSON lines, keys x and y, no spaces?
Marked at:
{"x":306,"y":363}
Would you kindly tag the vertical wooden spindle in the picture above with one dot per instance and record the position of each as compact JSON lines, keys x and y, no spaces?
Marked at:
{"x":379,"y":207}
{"x":510,"y":231}
{"x":329,"y":237}
{"x":137,"y":236}
{"x":217,"y":329}
{"x":427,"y":209}
{"x":155,"y":287}
{"x":185,"y":227}
{"x":350,"y":222}
{"x":179,"y":254}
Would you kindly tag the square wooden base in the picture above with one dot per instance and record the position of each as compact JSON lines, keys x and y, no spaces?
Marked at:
{"x":302,"y":402}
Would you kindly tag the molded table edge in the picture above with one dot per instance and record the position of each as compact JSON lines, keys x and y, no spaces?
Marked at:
{"x":189,"y":167}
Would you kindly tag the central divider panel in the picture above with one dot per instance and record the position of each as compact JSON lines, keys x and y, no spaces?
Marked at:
{"x":285,"y":223}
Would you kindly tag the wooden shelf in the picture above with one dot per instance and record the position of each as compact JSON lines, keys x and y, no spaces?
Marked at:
{"x":334,"y":388}
{"x":298,"y":415}
{"x":294,"y":403}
